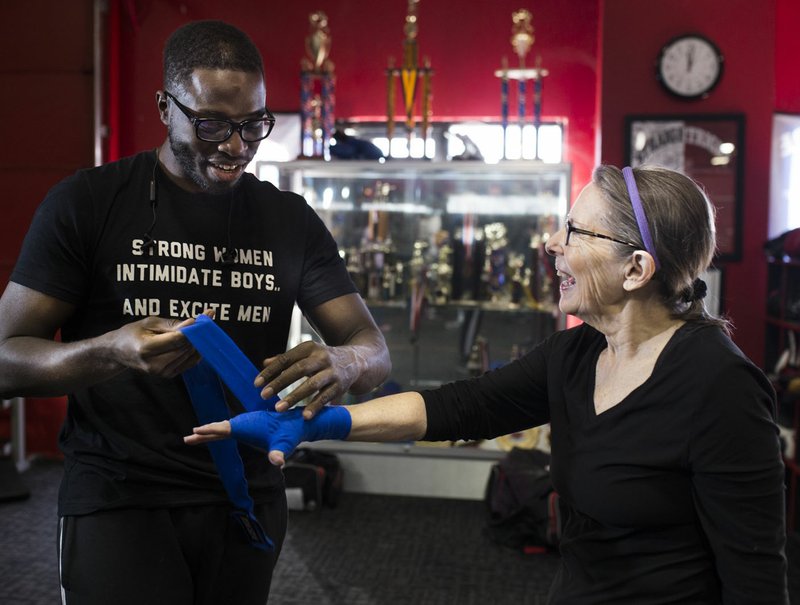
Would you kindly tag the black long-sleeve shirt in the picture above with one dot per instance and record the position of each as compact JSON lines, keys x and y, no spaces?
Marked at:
{"x":674,"y":495}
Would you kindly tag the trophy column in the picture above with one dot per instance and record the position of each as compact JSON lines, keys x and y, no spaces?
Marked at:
{"x":410,"y":74}
{"x":317,"y":90}
{"x":522,"y":39}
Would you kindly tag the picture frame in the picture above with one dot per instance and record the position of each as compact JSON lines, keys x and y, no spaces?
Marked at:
{"x":784,"y":182}
{"x":709,"y":148}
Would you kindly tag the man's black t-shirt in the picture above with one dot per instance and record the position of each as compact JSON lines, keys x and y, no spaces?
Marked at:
{"x":122,"y":437}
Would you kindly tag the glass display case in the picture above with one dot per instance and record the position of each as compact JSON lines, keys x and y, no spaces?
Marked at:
{"x":448,"y":256}
{"x":450,"y":259}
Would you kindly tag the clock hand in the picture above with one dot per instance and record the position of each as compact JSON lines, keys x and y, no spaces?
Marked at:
{"x":690,"y":58}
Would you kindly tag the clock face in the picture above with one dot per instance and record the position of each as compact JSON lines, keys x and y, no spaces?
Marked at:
{"x":690,"y":66}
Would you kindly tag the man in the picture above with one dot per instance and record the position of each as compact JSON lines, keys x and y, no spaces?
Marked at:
{"x":118,"y":258}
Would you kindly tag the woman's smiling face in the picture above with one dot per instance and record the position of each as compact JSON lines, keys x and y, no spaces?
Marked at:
{"x":591,"y":268}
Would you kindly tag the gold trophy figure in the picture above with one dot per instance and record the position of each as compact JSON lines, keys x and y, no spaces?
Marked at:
{"x":522,"y":34}
{"x":318,"y":43}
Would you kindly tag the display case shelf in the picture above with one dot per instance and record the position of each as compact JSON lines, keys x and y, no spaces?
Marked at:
{"x":782,"y":362}
{"x":784,"y":324}
{"x":463,"y":231}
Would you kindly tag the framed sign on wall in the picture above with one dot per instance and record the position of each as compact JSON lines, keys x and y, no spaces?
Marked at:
{"x":707,"y":148}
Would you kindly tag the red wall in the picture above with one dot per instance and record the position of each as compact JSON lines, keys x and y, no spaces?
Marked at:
{"x":464,"y":40}
{"x":787,"y":50}
{"x":46,"y":79}
{"x":634,"y":32}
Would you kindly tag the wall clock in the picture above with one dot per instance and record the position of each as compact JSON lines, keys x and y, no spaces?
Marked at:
{"x":689,"y":66}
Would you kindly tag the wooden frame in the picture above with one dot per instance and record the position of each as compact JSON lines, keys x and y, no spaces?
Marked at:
{"x":707,"y":148}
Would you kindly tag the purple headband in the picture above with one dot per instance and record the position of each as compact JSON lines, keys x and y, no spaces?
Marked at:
{"x":638,"y":210}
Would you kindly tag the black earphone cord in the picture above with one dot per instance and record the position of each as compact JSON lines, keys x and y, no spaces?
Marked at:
{"x":149,"y":242}
{"x":229,"y":257}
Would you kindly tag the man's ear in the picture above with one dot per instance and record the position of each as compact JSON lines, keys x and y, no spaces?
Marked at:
{"x":163,"y":105}
{"x":639,"y":270}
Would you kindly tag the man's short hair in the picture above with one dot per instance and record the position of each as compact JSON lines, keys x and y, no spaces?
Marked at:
{"x":208,"y":45}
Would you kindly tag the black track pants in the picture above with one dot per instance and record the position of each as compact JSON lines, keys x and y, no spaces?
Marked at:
{"x":176,"y":556}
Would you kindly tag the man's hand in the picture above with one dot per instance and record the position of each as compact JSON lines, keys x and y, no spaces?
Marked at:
{"x":329,"y":374}
{"x":155,"y":345}
{"x":34,"y":364}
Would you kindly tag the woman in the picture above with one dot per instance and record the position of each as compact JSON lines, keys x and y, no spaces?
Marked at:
{"x":665,"y":452}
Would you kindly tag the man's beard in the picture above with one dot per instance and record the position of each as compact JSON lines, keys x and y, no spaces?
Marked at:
{"x":187,"y":160}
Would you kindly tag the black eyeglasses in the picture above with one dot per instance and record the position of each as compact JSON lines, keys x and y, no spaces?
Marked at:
{"x":573,"y":229}
{"x":217,"y":130}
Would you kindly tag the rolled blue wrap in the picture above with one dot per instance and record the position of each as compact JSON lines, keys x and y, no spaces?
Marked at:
{"x":232,"y":366}
{"x":222,"y":359}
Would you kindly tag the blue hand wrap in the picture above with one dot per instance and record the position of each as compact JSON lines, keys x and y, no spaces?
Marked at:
{"x":223,"y":359}
{"x":285,"y":431}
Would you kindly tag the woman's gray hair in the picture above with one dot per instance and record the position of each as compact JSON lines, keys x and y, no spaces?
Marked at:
{"x":681,"y":221}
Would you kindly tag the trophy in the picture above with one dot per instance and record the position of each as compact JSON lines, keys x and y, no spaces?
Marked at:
{"x":522,"y":39}
{"x":410,"y":73}
{"x":496,"y":261}
{"x":317,"y":90}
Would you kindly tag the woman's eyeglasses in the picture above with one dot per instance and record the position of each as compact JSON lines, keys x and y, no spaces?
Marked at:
{"x":573,"y":229}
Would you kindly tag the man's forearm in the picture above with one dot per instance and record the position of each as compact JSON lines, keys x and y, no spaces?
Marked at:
{"x":374,"y":365}
{"x":36,"y":367}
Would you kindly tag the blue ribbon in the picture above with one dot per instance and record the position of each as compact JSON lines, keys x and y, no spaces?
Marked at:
{"x":222,"y":359}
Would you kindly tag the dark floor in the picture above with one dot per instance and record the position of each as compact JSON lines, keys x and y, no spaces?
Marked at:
{"x":371,"y":550}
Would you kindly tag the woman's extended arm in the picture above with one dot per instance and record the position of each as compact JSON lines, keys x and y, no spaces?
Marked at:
{"x":398,"y":417}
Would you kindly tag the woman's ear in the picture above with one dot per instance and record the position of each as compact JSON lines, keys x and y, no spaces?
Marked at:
{"x":639,"y":270}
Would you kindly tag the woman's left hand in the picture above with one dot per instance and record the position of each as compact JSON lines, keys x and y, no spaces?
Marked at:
{"x":209,"y":432}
